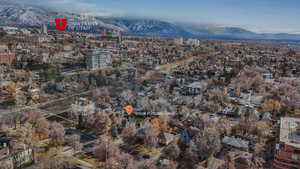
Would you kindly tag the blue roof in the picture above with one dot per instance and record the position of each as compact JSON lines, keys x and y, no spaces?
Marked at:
{"x":185,"y":137}
{"x":235,"y":142}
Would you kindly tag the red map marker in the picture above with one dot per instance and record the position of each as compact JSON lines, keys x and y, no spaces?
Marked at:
{"x":61,"y":23}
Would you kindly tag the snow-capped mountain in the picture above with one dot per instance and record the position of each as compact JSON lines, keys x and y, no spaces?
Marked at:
{"x":34,"y":16}
{"x":147,"y":27}
{"x":24,"y":15}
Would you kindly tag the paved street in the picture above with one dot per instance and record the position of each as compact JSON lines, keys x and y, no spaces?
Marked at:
{"x":39,"y":106}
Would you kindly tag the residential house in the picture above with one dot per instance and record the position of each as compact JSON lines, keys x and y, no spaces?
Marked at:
{"x":194,"y":88}
{"x":268,"y":76}
{"x":7,"y":57}
{"x":240,"y":159}
{"x":165,"y":139}
{"x":245,"y":99}
{"x":68,"y":47}
{"x":83,"y":106}
{"x":231,"y":111}
{"x":237,"y":143}
{"x":267,"y":117}
{"x":212,"y":163}
{"x":18,"y":158}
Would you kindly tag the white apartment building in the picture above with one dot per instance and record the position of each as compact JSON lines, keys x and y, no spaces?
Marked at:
{"x":98,"y":59}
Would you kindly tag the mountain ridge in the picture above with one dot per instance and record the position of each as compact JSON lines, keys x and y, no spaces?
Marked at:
{"x":24,"y":15}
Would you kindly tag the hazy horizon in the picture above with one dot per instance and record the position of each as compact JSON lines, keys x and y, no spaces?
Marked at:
{"x":261,"y":16}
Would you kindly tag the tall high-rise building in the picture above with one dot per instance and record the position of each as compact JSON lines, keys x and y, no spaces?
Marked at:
{"x":193,"y":42}
{"x":104,"y":32}
{"x":98,"y":59}
{"x":120,"y":36}
{"x":44,"y":29}
{"x":179,"y":41}
{"x":287,"y":153}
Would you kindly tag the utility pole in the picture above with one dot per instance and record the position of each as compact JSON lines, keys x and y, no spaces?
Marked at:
{"x":106,"y":153}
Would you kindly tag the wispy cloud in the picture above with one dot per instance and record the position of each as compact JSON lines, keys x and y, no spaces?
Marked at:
{"x":78,"y":6}
{"x":61,"y":1}
{"x":282,"y":30}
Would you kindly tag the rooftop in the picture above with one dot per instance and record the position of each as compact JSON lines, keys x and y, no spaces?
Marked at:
{"x":235,"y":142}
{"x":288,"y":131}
{"x":196,"y":85}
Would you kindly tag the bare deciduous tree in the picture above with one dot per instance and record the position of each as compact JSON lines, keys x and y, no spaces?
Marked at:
{"x":170,"y":165}
{"x":102,"y":97}
{"x":39,"y":122}
{"x":271,"y":105}
{"x":150,"y":140}
{"x":101,"y":150}
{"x":13,"y":118}
{"x":129,"y":132}
{"x":57,"y":133}
{"x":53,"y":162}
{"x":116,"y":159}
{"x":26,"y":135}
{"x":172,"y":151}
{"x":148,"y":165}
{"x":121,"y":161}
{"x":206,"y":143}
{"x":128,"y":96}
{"x":33,"y":117}
{"x":74,"y":142}
{"x":102,"y":122}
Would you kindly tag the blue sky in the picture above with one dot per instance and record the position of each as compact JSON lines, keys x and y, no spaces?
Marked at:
{"x":256,"y":15}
